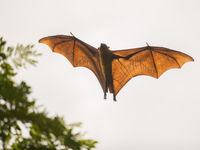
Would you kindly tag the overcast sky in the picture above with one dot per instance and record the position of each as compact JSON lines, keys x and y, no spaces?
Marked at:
{"x":150,"y":114}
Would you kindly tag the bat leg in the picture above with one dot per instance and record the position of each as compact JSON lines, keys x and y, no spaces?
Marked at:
{"x":114,"y":97}
{"x":112,"y":91}
{"x":105,"y":95}
{"x":105,"y":90}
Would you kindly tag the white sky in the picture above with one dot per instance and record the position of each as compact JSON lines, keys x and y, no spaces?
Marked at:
{"x":149,"y":114}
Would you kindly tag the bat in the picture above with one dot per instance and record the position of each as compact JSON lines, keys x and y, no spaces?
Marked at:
{"x":114,"y":69}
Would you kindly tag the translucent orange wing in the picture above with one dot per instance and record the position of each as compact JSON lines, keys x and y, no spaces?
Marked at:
{"x":151,"y":61}
{"x":79,"y":53}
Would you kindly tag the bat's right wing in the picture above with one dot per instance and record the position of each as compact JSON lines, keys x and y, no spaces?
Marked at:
{"x":151,"y":61}
{"x":79,"y":53}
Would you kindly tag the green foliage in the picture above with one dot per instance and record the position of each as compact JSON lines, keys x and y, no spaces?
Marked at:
{"x":19,"y":56}
{"x":19,"y":113}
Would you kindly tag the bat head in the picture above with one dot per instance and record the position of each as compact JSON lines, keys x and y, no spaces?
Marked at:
{"x":103,"y":47}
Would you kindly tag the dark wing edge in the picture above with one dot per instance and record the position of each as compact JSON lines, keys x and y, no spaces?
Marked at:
{"x":79,"y":53}
{"x":150,"y":61}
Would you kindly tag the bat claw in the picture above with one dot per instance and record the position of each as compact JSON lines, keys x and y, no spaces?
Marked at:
{"x":72,"y":34}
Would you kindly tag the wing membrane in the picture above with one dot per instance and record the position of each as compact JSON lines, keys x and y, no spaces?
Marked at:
{"x":150,"y":61}
{"x":79,"y":53}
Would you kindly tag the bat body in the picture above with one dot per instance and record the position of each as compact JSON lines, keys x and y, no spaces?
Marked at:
{"x":106,"y":58}
{"x":114,"y":69}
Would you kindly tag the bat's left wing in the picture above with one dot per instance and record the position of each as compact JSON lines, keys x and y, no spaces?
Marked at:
{"x":151,"y":61}
{"x":79,"y":53}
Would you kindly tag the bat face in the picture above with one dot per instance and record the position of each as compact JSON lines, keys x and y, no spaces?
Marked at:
{"x":114,"y":69}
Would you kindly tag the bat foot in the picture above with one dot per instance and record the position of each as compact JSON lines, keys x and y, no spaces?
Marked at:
{"x":105,"y":96}
{"x":114,"y":98}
